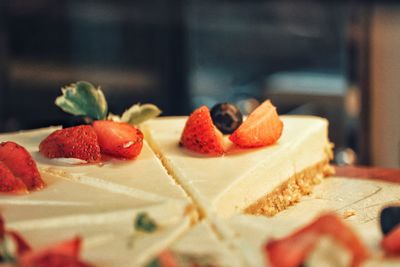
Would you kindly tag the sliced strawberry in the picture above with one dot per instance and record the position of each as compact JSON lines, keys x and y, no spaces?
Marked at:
{"x":64,"y":254}
{"x":21,"y":164}
{"x":263,"y":127}
{"x":167,"y":259}
{"x":391,"y":242}
{"x":119,"y":139}
{"x":9,"y":183}
{"x":293,"y":250}
{"x":200,"y":134}
{"x":21,"y":244}
{"x":2,"y":227}
{"x":75,"y":142}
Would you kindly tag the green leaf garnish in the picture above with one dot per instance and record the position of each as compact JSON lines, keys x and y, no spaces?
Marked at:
{"x":139,"y":113}
{"x":83,"y":99}
{"x":144,"y":223}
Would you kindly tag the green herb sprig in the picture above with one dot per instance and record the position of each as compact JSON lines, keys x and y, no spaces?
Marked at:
{"x":144,"y":223}
{"x":84,"y":99}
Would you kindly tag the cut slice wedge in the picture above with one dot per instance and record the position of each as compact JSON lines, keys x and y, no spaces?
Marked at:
{"x":99,"y":202}
{"x":259,"y":181}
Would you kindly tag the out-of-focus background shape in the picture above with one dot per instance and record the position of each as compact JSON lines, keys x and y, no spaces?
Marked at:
{"x":310,"y":57}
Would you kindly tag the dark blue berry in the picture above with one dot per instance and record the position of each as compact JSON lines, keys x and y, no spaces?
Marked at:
{"x":226,"y":117}
{"x":390,"y":217}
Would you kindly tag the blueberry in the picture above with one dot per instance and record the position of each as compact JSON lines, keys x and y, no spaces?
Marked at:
{"x":226,"y":117}
{"x":390,"y":217}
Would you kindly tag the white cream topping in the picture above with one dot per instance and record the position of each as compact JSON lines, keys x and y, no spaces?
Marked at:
{"x":230,"y":183}
{"x":99,"y":202}
{"x":200,"y":243}
{"x":68,"y":161}
{"x":365,"y":197}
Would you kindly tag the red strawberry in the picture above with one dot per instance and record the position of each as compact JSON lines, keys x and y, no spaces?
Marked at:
{"x":391,"y":242}
{"x":74,"y":142}
{"x":22,"y":246}
{"x":21,"y":164}
{"x":167,"y":259}
{"x":119,"y":139}
{"x":293,"y":250}
{"x":9,"y":183}
{"x":65,"y":254}
{"x":200,"y":134}
{"x":263,"y":127}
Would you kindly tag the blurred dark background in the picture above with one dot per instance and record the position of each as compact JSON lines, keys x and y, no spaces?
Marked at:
{"x":304,"y":55}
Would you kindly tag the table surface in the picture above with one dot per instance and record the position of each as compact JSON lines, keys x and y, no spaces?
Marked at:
{"x":386,"y":174}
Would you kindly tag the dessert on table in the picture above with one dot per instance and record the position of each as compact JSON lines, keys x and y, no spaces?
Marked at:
{"x":211,"y":189}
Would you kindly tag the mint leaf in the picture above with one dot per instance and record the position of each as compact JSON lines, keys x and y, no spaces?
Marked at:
{"x":83,"y":99}
{"x":139,"y":113}
{"x":144,"y":223}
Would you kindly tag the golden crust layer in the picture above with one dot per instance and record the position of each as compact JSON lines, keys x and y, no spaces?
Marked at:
{"x":290,"y":192}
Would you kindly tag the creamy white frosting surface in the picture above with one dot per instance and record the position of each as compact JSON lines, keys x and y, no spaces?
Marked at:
{"x":230,"y":183}
{"x":99,"y":202}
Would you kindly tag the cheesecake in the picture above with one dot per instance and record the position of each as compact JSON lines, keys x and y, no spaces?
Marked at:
{"x":260,"y":181}
{"x":174,"y":186}
{"x":359,"y":209}
{"x":183,"y":191}
{"x":100,"y":203}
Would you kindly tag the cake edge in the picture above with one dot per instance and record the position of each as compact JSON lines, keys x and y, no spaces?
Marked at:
{"x":291,"y":191}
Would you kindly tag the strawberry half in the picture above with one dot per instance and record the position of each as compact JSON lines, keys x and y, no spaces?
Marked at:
{"x":22,"y":246}
{"x":21,"y":164}
{"x":263,"y":127}
{"x":9,"y":183}
{"x":118,"y":139}
{"x":65,"y":254}
{"x":200,"y":134}
{"x":391,"y":242}
{"x":167,"y":259}
{"x":75,"y":142}
{"x":293,"y":250}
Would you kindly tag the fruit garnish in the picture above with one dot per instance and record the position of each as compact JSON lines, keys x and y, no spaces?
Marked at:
{"x":21,"y":244}
{"x":21,"y":164}
{"x":263,"y":127}
{"x":391,"y":242}
{"x":74,"y":142}
{"x":62,"y":254}
{"x":200,"y":134}
{"x":83,"y":99}
{"x":118,"y":139}
{"x":9,"y":183}
{"x":144,"y":223}
{"x":164,"y":259}
{"x":293,"y":250}
{"x":389,"y":218}
{"x":226,"y":117}
{"x":16,"y":251}
{"x":169,"y":258}
{"x":138,"y":113}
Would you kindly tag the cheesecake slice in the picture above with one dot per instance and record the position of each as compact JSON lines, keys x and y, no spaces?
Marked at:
{"x":144,"y":177}
{"x":360,"y":209}
{"x":257,"y":181}
{"x":99,"y":202}
{"x":201,"y":246}
{"x":110,"y":238}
